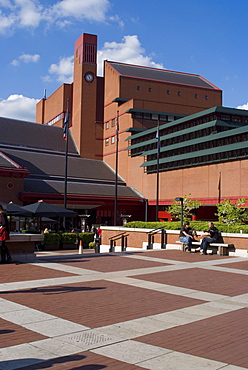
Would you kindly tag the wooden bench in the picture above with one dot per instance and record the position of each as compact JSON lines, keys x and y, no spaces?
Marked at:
{"x":222,"y":248}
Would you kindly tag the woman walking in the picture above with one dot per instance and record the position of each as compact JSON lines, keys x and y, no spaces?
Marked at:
{"x":4,"y":235}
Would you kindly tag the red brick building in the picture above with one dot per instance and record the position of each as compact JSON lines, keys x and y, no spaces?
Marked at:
{"x":203,"y":145}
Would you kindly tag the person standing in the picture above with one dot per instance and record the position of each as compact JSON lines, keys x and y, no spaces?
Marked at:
{"x":4,"y":235}
{"x":212,"y":236}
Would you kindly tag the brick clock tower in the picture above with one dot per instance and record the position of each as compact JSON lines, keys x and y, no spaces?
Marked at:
{"x":84,"y":103}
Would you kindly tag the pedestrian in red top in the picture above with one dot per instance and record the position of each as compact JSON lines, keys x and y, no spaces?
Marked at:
{"x":4,"y":235}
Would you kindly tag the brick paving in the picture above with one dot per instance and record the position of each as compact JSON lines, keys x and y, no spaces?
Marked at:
{"x":239,"y":265}
{"x":211,"y":338}
{"x":12,"y":334}
{"x":153,"y":310}
{"x":204,"y":280}
{"x":25,"y":272}
{"x":83,"y":361}
{"x":98,"y":303}
{"x":106,"y":263}
{"x":185,"y":257}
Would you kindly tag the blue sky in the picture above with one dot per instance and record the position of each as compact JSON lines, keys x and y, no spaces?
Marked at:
{"x":205,"y":37}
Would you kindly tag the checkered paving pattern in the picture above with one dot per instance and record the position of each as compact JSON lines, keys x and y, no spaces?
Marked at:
{"x":106,"y":263}
{"x":209,"y":338}
{"x":12,"y":334}
{"x":147,"y":310}
{"x":202,"y":279}
{"x":25,"y":272}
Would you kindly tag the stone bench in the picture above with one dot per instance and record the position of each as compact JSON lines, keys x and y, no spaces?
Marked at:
{"x":222,"y":248}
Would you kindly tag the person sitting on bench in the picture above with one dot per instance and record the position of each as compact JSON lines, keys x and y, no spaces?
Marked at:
{"x":187,"y":235}
{"x":209,"y":236}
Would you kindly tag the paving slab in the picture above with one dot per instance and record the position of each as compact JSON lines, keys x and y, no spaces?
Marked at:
{"x":131,"y":351}
{"x":180,"y":361}
{"x":55,"y":327}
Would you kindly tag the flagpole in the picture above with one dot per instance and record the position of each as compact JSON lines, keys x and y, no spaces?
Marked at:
{"x":66,"y":131}
{"x":157,"y":187}
{"x":116,"y":168}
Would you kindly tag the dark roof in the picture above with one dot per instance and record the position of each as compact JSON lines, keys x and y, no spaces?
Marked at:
{"x":33,"y":135}
{"x":44,"y":165}
{"x":6,"y":162}
{"x":77,"y":188}
{"x":41,"y":149}
{"x":162,"y":75}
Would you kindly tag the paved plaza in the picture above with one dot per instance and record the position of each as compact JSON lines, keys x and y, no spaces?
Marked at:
{"x":159,"y":310}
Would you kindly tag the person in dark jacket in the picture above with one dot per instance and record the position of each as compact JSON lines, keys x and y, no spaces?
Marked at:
{"x":211,"y":236}
{"x":4,"y":235}
{"x":186,"y":235}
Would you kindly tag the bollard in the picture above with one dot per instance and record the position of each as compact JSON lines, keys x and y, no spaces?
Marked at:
{"x":150,"y":241}
{"x":80,"y":250}
{"x":112,"y":247}
{"x":97,"y":247}
{"x":163,"y":242}
{"x":123,"y":243}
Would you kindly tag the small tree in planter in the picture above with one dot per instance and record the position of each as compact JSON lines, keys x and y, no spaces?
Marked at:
{"x":232,"y":213}
{"x":189,"y":206}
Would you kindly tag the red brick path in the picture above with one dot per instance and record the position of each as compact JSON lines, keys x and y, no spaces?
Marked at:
{"x":221,"y":338}
{"x":202,"y":279}
{"x":12,"y":334}
{"x":107,"y":263}
{"x":24,"y":272}
{"x":99,"y":303}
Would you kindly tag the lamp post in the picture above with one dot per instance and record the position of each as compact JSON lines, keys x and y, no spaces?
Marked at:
{"x":179,"y":199}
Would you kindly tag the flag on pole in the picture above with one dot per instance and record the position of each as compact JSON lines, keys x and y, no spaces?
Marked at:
{"x":66,"y":122}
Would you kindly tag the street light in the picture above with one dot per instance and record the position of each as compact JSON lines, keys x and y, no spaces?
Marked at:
{"x":179,"y":199}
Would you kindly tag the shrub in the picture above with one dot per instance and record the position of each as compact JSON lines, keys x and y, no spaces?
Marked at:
{"x":197,"y":225}
{"x":92,"y":244}
{"x":86,"y":237}
{"x":232,"y":213}
{"x":51,"y":239}
{"x":68,"y":238}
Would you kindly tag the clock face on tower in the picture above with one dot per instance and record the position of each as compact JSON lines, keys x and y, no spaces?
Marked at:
{"x":89,"y":77}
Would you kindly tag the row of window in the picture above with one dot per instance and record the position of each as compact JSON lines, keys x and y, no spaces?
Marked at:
{"x":154,"y":117}
{"x":168,"y":92}
{"x":111,"y":123}
{"x":197,"y":147}
{"x":110,"y":140}
{"x":203,"y":160}
{"x":192,"y":123}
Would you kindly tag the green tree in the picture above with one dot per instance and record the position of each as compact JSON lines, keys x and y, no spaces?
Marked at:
{"x":232,"y":213}
{"x":189,"y":206}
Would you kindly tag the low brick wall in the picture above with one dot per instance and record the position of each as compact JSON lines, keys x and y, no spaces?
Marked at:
{"x":136,"y":238}
{"x":22,"y":246}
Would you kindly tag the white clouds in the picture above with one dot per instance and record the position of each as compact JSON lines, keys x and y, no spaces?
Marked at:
{"x":90,"y":9}
{"x":29,"y":13}
{"x":128,"y":51}
{"x":26,"y":58}
{"x":244,"y":106}
{"x":18,"y":107}
{"x":63,"y":70}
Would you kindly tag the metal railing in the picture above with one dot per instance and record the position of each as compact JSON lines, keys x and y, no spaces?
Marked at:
{"x":123,"y":236}
{"x":151,"y":237}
